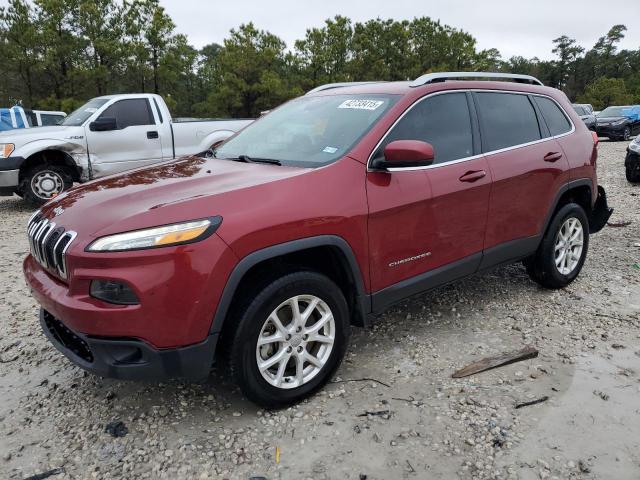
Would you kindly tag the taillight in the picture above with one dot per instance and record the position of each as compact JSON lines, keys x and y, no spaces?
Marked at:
{"x":596,"y":140}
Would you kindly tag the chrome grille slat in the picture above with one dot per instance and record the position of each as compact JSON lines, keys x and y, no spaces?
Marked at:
{"x":40,"y":232}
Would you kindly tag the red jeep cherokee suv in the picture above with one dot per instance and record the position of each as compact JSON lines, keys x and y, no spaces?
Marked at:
{"x":314,"y":218}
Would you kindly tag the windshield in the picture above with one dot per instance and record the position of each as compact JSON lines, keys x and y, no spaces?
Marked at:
{"x":615,"y":112}
{"x":79,"y":116}
{"x":309,"y":131}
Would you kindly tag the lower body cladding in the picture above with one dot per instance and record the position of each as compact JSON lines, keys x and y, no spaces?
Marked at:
{"x":129,"y":359}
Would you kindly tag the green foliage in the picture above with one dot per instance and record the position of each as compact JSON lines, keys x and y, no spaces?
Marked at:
{"x":58,"y":53}
{"x":605,"y":92}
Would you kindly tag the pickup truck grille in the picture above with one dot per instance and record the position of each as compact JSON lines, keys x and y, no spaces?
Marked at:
{"x":49,"y":243}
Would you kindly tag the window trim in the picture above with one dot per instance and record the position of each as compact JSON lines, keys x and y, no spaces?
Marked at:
{"x":473,"y":157}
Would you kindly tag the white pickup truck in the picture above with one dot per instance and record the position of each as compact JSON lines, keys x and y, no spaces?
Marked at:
{"x":107,"y":135}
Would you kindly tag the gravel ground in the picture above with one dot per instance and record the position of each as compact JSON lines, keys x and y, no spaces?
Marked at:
{"x":53,"y":415}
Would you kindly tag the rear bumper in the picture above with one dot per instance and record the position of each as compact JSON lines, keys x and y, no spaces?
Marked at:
{"x":129,"y":359}
{"x":600,"y":213}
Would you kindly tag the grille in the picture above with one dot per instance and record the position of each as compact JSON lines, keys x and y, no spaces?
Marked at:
{"x":68,"y":338}
{"x":49,"y":243}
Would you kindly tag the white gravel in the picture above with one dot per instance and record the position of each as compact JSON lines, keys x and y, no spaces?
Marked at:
{"x":53,"y":415}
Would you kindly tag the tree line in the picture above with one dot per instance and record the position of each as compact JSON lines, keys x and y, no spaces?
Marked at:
{"x":56,"y":54}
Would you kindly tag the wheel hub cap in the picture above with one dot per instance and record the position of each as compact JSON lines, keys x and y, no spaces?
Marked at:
{"x":295,"y":341}
{"x":47,"y":184}
{"x":568,"y":246}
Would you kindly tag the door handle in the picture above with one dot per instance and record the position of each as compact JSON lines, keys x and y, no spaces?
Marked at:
{"x":152,"y":134}
{"x":473,"y":176}
{"x":552,"y":157}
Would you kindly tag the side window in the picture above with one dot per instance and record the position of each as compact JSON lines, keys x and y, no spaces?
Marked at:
{"x":49,"y":119}
{"x":130,"y":112}
{"x":554,"y":117}
{"x":443,"y":121}
{"x":507,"y":119}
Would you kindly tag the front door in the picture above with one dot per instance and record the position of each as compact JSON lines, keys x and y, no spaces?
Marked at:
{"x":135,"y":143}
{"x":427,"y":225}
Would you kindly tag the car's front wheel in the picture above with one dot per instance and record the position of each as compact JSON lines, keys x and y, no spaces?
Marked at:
{"x":632,"y":168}
{"x":626,"y":134}
{"x":290,"y":339}
{"x":563,"y":249}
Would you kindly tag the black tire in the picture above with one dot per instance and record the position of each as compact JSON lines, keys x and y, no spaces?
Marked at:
{"x":252,"y":315}
{"x":60,"y":177}
{"x":541,"y":267}
{"x":632,"y":169}
{"x":626,"y":135}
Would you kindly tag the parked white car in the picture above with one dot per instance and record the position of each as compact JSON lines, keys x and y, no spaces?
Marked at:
{"x":18,"y":117}
{"x":107,"y":135}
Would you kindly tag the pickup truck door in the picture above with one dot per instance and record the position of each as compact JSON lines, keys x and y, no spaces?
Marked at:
{"x":134,"y":143}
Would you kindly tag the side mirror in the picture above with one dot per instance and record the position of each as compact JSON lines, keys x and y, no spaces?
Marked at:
{"x":103,"y":124}
{"x":406,"y":154}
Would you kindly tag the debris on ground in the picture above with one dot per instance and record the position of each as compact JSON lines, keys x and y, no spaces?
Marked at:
{"x":116,"y":429}
{"x":490,"y":363}
{"x":532,"y":402}
{"x":47,"y":474}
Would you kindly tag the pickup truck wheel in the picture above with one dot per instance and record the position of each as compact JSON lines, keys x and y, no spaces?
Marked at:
{"x":563,"y":250}
{"x":44,"y":182}
{"x":290,"y":339}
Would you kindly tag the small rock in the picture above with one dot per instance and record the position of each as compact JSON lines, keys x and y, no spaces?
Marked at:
{"x":116,"y":429}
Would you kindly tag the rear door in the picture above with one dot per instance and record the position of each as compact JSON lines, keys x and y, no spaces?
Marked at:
{"x":528,"y":167}
{"x":135,"y":143}
{"x":429,"y":217}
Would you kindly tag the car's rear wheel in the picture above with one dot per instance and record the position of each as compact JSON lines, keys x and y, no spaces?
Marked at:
{"x":290,"y":339}
{"x":44,"y":182}
{"x":563,"y":250}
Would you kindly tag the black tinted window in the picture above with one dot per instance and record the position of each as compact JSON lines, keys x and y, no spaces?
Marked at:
{"x":441,"y":120}
{"x":553,"y":116}
{"x":507,"y":119}
{"x":131,"y":112}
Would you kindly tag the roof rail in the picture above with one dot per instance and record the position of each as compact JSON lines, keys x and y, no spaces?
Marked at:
{"x":443,"y":76}
{"x":329,"y":86}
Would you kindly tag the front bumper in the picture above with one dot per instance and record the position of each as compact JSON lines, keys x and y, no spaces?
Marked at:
{"x":600,"y":213}
{"x":9,"y":180}
{"x":611,"y":131}
{"x":129,"y":359}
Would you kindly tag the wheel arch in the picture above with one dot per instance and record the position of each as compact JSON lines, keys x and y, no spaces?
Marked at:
{"x":328,"y":254}
{"x":51,"y":156}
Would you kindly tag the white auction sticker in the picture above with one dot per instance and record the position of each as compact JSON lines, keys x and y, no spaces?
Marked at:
{"x":361,"y":104}
{"x":329,"y":149}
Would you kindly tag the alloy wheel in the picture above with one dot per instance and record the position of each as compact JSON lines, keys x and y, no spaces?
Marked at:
{"x":295,"y":341}
{"x":568,"y":246}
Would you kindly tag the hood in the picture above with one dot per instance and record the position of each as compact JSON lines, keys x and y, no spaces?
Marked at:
{"x":611,"y":119}
{"x":26,"y":135}
{"x":171,"y":192}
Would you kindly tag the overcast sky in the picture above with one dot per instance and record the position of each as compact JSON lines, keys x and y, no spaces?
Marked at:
{"x":515,"y":27}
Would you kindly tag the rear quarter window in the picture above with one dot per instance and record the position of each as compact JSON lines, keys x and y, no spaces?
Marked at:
{"x":507,"y":120}
{"x":554,"y":117}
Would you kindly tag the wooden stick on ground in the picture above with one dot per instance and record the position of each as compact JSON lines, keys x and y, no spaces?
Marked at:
{"x":495,"y":362}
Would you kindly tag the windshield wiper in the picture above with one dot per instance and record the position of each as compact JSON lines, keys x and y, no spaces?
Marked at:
{"x":248,"y":159}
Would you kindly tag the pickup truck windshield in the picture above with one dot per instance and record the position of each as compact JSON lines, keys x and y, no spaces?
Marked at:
{"x":79,"y":116}
{"x":309,"y":131}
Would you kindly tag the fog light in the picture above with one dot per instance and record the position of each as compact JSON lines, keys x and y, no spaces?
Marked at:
{"x":112,"y":291}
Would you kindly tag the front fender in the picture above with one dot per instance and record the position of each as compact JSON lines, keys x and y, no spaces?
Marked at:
{"x":75,"y":150}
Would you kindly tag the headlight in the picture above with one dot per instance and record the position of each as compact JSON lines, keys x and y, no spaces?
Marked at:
{"x":635,"y":146}
{"x":618,"y":122}
{"x":6,"y":149}
{"x":164,"y":236}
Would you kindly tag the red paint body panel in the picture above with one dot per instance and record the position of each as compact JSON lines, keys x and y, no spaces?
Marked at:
{"x":384,"y":217}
